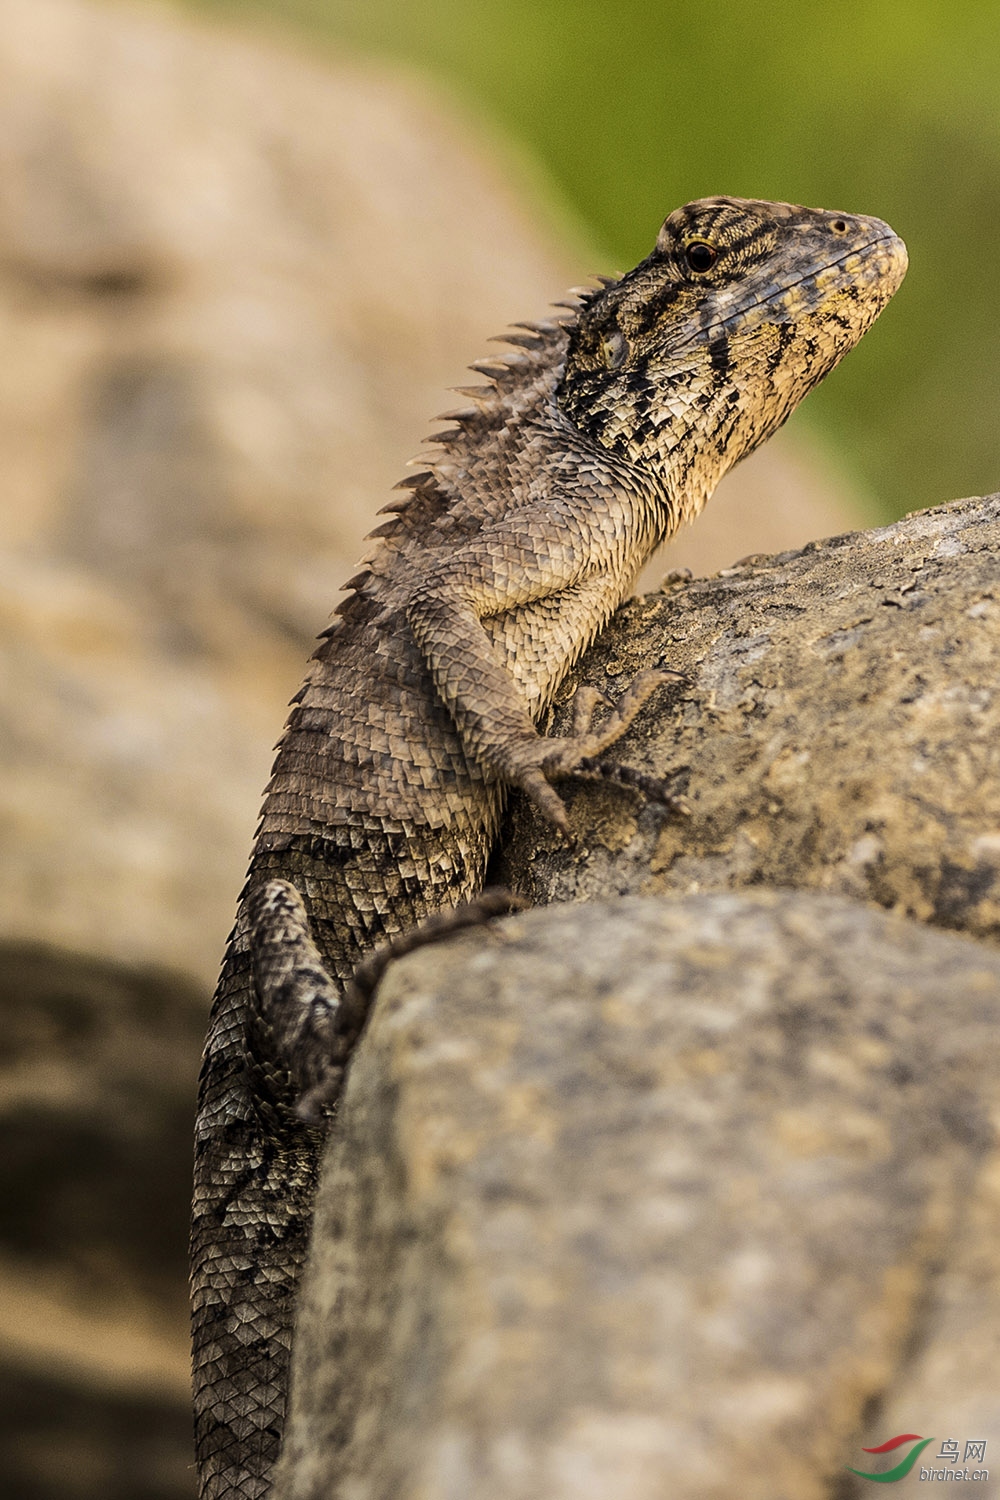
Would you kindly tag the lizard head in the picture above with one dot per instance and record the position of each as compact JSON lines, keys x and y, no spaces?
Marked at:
{"x":690,"y":361}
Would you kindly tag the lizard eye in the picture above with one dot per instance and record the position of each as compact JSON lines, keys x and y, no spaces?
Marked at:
{"x":700,"y":255}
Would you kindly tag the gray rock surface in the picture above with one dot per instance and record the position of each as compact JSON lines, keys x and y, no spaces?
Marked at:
{"x":839,"y":730}
{"x":652,"y":1198}
{"x":698,"y":1194}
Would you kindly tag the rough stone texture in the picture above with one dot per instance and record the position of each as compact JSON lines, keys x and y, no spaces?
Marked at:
{"x":839,"y":730}
{"x":950,"y":1378}
{"x":653,"y":1198}
{"x":234,"y":287}
{"x":699,"y":1195}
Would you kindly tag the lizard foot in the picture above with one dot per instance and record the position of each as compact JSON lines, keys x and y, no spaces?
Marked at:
{"x":537,"y":762}
{"x":658,"y":790}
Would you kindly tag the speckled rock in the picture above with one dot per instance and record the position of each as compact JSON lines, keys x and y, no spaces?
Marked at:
{"x":649,"y":1199}
{"x":838,"y":730}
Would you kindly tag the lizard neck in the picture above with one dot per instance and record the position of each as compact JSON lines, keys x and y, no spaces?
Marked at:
{"x":515,"y":446}
{"x":684,"y":428}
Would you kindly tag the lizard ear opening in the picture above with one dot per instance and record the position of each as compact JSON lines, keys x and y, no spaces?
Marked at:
{"x":597,"y":344}
{"x":614,"y":347}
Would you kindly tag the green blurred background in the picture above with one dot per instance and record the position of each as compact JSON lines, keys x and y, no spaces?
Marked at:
{"x":631,"y":107}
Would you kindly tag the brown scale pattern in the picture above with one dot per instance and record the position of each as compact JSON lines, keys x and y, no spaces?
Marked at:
{"x":504,"y":556}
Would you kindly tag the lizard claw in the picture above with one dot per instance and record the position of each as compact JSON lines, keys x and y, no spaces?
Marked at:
{"x":537,"y":761}
{"x":585,"y":701}
{"x":534,"y":783}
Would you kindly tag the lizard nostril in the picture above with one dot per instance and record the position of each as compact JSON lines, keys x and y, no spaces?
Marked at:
{"x":839,"y":226}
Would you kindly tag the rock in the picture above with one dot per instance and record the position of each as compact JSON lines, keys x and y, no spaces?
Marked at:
{"x":700,"y":1190}
{"x":130,"y":779}
{"x":652,"y":1198}
{"x":947,"y":1385}
{"x":838,"y":730}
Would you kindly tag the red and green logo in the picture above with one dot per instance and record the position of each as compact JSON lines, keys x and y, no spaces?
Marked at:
{"x":905,"y":1464}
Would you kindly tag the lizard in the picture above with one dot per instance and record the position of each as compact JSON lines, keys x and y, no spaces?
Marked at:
{"x":587,"y":446}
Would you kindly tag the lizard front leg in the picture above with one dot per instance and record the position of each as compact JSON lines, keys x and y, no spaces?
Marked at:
{"x":500,"y":577}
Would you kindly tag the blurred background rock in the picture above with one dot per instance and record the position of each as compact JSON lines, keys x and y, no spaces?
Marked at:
{"x":242,"y":255}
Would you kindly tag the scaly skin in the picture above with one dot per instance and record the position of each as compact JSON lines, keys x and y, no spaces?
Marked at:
{"x":507,"y":555}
